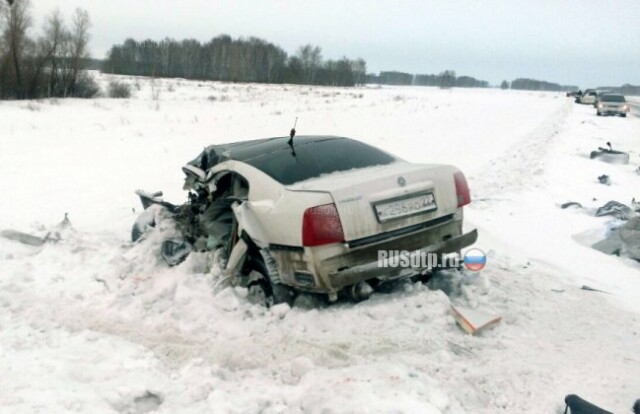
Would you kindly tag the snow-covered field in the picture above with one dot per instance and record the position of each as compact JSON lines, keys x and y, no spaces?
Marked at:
{"x":95,"y":324}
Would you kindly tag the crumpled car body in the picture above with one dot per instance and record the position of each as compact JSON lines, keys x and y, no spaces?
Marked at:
{"x":310,"y":214}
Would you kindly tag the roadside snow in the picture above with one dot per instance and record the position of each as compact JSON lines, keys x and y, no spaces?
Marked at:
{"x":95,"y":324}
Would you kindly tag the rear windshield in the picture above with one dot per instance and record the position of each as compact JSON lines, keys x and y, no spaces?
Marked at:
{"x":318,"y":158}
{"x":612,"y":98}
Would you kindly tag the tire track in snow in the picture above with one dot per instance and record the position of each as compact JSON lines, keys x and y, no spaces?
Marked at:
{"x":522,"y":163}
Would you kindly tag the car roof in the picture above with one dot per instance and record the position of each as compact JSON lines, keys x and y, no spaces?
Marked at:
{"x":247,"y":150}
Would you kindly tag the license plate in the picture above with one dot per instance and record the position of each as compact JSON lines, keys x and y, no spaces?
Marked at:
{"x":389,"y":210}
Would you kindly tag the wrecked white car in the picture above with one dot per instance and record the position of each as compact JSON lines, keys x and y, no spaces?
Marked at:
{"x":310,"y":213}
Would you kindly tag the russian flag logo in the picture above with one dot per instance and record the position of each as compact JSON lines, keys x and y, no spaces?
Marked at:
{"x":475,"y":259}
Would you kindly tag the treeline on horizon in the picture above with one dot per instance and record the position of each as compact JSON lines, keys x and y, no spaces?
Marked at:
{"x":256,"y":60}
{"x":232,"y":60}
{"x":445,"y":79}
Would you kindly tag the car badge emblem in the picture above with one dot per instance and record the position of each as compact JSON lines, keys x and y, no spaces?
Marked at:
{"x":401,"y":181}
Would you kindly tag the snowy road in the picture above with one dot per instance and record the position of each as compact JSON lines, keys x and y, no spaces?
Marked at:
{"x":94,"y":324}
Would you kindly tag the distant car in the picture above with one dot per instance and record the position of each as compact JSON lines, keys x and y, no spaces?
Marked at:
{"x":573,"y":94}
{"x":600,"y":93}
{"x":589,"y":97}
{"x":312,"y":215}
{"x":612,"y":104}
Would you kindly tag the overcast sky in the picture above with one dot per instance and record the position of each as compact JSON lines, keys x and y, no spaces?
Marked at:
{"x":583,"y":42}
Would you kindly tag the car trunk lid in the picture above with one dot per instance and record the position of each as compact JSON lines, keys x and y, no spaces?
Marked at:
{"x":382,"y":199}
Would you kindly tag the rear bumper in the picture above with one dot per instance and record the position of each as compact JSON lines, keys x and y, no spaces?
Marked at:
{"x":613,"y":111}
{"x":330,"y":268}
{"x":373,"y":270}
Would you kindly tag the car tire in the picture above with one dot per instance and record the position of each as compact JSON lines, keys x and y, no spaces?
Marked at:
{"x":623,"y":115}
{"x":259,"y":293}
{"x":598,"y":113}
{"x":266,"y":290}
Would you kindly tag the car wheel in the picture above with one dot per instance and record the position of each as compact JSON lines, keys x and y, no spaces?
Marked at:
{"x":266,"y":283}
{"x":624,"y":115}
{"x":598,"y":113}
{"x":260,"y":294}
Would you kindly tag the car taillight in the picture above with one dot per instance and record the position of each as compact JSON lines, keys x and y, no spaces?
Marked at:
{"x":462,"y":189}
{"x":321,"y":225}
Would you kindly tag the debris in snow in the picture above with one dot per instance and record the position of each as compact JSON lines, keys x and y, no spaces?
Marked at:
{"x":175,"y":251}
{"x":473,"y":320}
{"x":590,"y":289}
{"x":611,"y":245}
{"x":23,"y":238}
{"x":571,"y":204}
{"x":624,"y":240}
{"x":145,"y":403}
{"x":630,"y":236}
{"x":31,"y":240}
{"x":614,"y":208}
{"x":604,"y":179}
{"x":609,"y":155}
{"x":580,"y":406}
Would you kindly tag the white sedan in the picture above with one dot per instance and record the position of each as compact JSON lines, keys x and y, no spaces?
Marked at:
{"x":312,"y":213}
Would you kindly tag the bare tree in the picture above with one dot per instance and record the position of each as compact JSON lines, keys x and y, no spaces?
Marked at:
{"x":75,"y":50}
{"x":49,"y":52}
{"x":16,"y":21}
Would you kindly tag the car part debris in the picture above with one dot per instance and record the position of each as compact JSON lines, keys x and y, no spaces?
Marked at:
{"x":612,"y":245}
{"x":472,"y":321}
{"x":30,"y":240}
{"x":571,"y":204}
{"x":23,"y":238}
{"x":576,"y":405}
{"x":609,"y":155}
{"x":629,"y":234}
{"x":590,"y":289}
{"x":624,"y":241}
{"x":614,"y":208}
{"x":604,"y":179}
{"x":175,"y":251}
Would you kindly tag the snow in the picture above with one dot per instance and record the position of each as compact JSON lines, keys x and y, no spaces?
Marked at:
{"x":95,"y":324}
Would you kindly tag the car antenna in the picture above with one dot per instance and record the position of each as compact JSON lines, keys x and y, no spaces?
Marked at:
{"x":291,"y":135}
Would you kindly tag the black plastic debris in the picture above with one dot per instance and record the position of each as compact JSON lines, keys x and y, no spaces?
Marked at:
{"x":571,"y":204}
{"x":604,"y":179}
{"x":175,"y":251}
{"x":576,"y":405}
